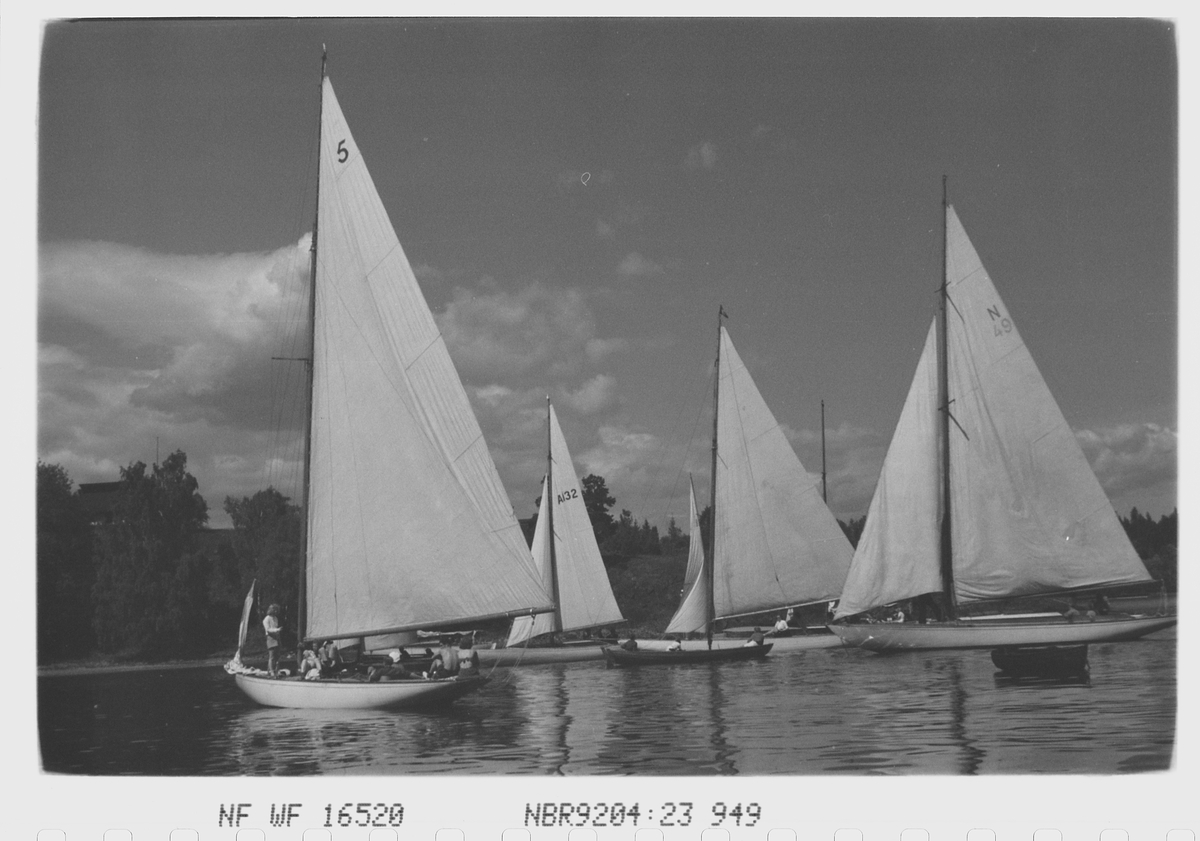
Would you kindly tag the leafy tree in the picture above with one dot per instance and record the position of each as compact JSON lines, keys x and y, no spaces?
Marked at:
{"x":64,"y":567}
{"x":266,"y":544}
{"x":598,"y":500}
{"x":676,"y":540}
{"x":151,"y":592}
{"x":1156,"y":544}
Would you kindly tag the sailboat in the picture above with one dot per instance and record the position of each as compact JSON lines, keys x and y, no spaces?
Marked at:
{"x":565,"y":550}
{"x":775,"y":544}
{"x":406,"y":524}
{"x":985,"y":493}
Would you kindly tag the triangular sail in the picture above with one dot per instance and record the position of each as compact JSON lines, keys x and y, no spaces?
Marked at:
{"x":897,"y":554}
{"x":775,"y":541}
{"x":527,"y":627}
{"x":585,"y":595}
{"x":244,"y":624}
{"x":692,"y":615}
{"x":408,"y":523}
{"x":1028,"y":515}
{"x":695,"y":543}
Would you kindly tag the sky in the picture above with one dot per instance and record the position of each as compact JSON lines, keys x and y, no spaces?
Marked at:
{"x":578,"y":197}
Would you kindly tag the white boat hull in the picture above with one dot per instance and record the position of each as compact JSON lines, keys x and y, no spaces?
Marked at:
{"x":906,"y":636}
{"x":296,"y":693}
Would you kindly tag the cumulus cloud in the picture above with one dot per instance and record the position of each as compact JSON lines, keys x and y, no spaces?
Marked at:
{"x":189,"y":336}
{"x":140,"y":351}
{"x":595,"y":395}
{"x":635,"y":265}
{"x":1131,"y":458}
{"x":701,"y":156}
{"x":493,"y":332}
{"x":622,"y":455}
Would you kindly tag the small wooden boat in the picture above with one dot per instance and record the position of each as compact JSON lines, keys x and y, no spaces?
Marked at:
{"x":616,"y":656}
{"x":1041,"y":660}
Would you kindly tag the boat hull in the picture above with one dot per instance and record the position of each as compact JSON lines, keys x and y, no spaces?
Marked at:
{"x":295,"y":693}
{"x":650,"y":657}
{"x":1041,"y":660}
{"x":518,"y":656}
{"x":905,"y":636}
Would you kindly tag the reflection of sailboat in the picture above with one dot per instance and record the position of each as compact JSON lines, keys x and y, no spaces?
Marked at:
{"x":407,"y":524}
{"x":564,"y":548}
{"x":984,"y":493}
{"x":774,"y":543}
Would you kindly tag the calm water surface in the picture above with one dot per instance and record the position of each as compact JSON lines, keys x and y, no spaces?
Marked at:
{"x":838,"y":711}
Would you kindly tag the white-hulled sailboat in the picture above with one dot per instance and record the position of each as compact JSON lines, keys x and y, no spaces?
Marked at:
{"x":775,"y":544}
{"x":565,"y":550}
{"x":407,"y":525}
{"x":985,"y":493}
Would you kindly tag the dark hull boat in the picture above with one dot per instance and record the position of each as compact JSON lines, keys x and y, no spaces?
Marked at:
{"x":615,"y":656}
{"x":1041,"y":660}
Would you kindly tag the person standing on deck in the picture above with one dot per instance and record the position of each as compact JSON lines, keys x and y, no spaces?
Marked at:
{"x":272,"y":628}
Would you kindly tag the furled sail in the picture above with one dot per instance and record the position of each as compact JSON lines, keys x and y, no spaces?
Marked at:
{"x":692,"y":615}
{"x":1028,"y":515}
{"x":585,"y":597}
{"x":775,"y":541}
{"x":408,"y":523}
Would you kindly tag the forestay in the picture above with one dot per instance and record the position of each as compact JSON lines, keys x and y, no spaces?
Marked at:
{"x":1028,"y":515}
{"x":585,"y":598}
{"x":408,"y":523}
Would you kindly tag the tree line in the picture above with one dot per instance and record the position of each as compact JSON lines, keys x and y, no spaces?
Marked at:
{"x":152,"y":582}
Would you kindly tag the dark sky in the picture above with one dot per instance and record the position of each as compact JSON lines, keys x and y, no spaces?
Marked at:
{"x":789,"y":170}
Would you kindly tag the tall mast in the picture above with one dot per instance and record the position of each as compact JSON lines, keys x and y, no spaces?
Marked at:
{"x":824,"y":497}
{"x":710,"y":608}
{"x":302,"y":601}
{"x":946,"y":552}
{"x":550,"y":520}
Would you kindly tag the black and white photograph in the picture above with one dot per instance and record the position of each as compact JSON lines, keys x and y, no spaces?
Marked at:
{"x":607,"y":397}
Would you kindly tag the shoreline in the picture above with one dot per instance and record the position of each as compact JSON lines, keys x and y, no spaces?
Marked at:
{"x":77,"y":668}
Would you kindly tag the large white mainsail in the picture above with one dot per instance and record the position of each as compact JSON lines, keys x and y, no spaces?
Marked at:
{"x":1028,"y":515}
{"x":775,"y":542}
{"x":585,"y":597}
{"x":408,"y":523}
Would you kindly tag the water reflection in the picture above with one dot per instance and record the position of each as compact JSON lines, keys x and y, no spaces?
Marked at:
{"x":818,"y":712}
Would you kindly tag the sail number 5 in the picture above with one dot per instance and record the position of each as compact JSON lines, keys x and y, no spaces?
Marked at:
{"x":343,"y":152}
